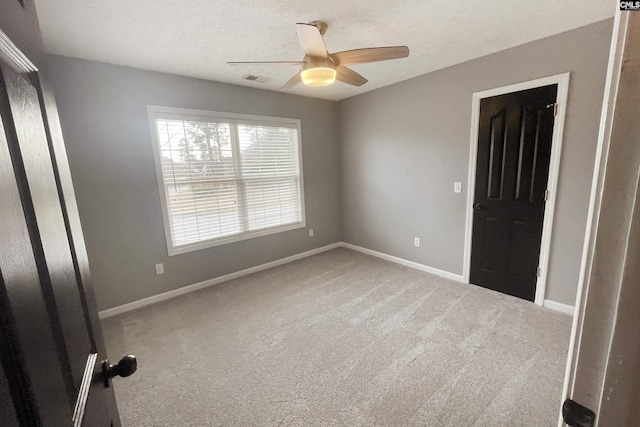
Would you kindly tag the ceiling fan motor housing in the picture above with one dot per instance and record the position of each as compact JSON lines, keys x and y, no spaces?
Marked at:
{"x":321,"y":25}
{"x":318,"y":71}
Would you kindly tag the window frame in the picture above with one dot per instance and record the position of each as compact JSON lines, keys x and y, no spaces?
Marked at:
{"x":155,"y":112}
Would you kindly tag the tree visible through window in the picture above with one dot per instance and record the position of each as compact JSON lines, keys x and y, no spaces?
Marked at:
{"x":224,"y":179}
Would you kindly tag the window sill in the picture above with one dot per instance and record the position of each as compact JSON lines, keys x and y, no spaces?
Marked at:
{"x":178,"y":250}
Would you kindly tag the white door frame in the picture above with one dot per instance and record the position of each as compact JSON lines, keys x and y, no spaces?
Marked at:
{"x":562,"y":80}
{"x":602,"y":363}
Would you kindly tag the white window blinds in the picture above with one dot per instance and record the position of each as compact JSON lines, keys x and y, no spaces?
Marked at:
{"x":226,"y":177}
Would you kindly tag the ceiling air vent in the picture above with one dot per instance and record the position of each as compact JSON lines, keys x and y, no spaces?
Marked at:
{"x":254,"y":78}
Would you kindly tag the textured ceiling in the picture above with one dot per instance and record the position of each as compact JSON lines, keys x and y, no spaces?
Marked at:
{"x":197,"y":37}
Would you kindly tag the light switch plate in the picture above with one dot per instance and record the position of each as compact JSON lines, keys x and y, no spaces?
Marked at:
{"x":457,"y":187}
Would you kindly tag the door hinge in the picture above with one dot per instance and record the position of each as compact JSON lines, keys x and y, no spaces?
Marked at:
{"x":538,"y":272}
{"x":555,"y":108}
{"x":546,"y":195}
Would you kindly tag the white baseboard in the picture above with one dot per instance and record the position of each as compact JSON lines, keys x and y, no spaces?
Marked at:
{"x":407,"y":263}
{"x":564,"y":308}
{"x":558,"y":306}
{"x":205,"y":284}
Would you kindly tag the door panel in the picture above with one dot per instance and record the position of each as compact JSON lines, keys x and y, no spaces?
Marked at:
{"x":490,"y":233}
{"x":514,"y":149}
{"x":25,"y":109}
{"x":527,"y":155}
{"x":496,"y":156}
{"x":51,"y":343}
{"x":518,"y":262}
{"x":28,"y":340}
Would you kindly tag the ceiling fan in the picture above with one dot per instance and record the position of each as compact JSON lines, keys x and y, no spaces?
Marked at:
{"x":321,"y":68}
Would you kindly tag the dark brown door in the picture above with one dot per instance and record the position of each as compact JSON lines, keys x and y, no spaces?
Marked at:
{"x":51,"y":344}
{"x":514,"y":149}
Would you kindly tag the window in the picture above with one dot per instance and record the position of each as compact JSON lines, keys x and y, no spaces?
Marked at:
{"x":225,"y":177}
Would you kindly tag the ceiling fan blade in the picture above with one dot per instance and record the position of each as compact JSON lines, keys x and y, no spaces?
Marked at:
{"x":347,"y":75}
{"x":292,"y":82}
{"x":372,"y":54}
{"x":266,"y":62}
{"x":311,"y":40}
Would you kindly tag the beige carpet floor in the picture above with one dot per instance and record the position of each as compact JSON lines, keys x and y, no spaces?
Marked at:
{"x":341,"y":339}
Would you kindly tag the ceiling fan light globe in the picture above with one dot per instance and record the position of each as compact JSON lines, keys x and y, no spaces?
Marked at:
{"x":318,"y":76}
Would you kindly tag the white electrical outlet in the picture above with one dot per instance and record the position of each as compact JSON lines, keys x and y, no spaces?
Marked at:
{"x":159,"y":268}
{"x":311,"y":232}
{"x":416,"y":242}
{"x":457,"y":187}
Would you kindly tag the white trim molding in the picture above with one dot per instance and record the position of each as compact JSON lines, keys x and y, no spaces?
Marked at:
{"x":114,"y":311}
{"x":562,"y":80}
{"x":406,"y":263}
{"x":157,"y":112}
{"x":558,"y":306}
{"x":553,"y":305}
{"x":211,"y":282}
{"x":601,"y":352}
{"x":217,"y":280}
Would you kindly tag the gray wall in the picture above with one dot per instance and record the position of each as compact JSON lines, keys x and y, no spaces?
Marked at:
{"x":379,"y":168}
{"x":104,"y":120}
{"x":403,"y":146}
